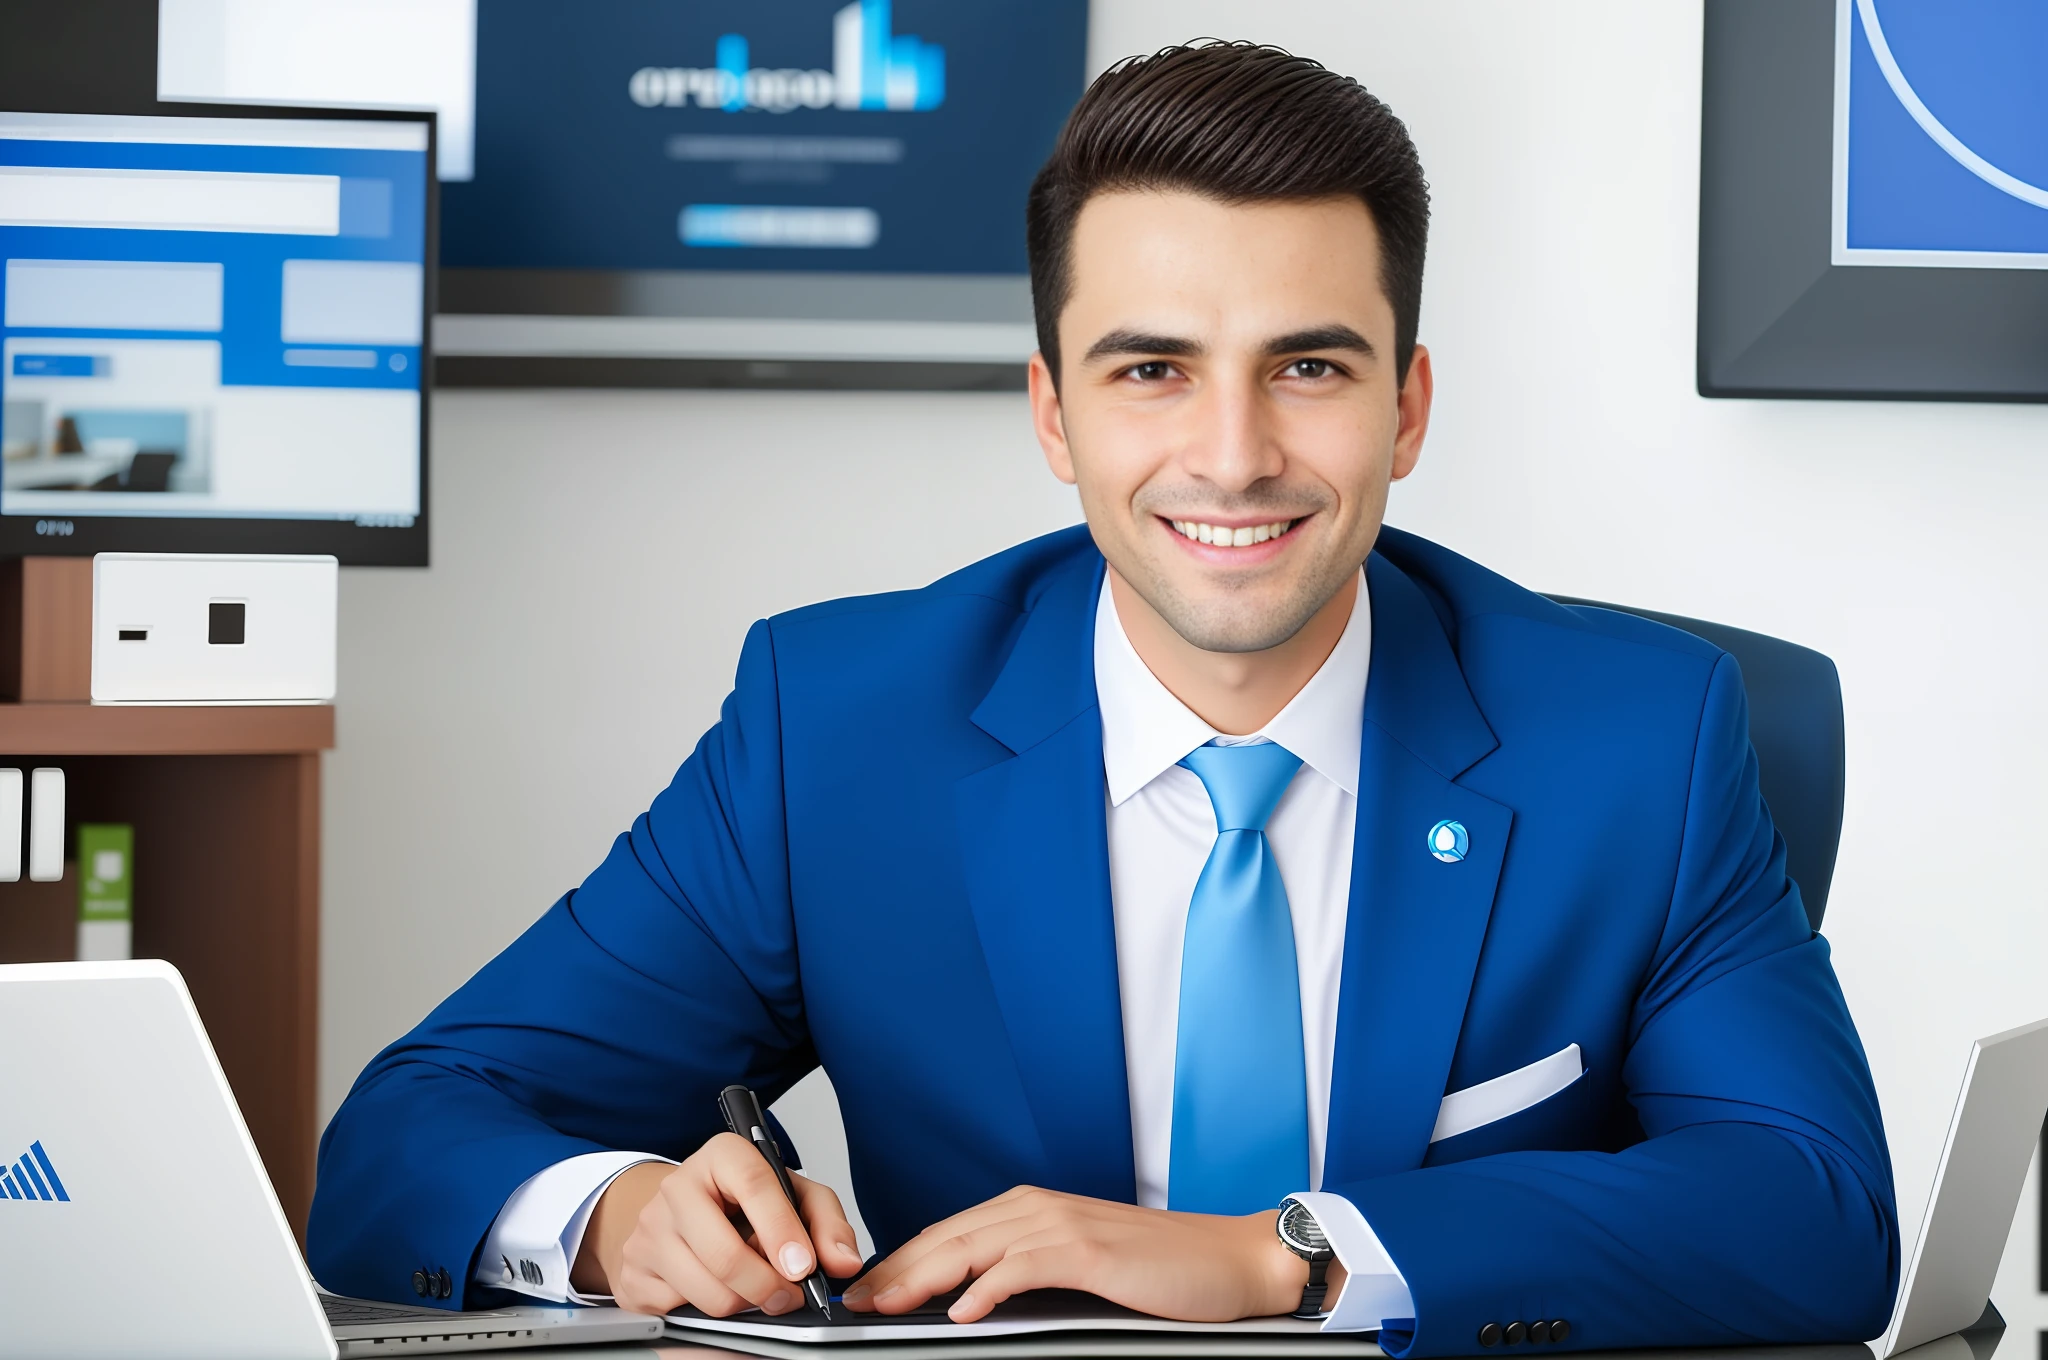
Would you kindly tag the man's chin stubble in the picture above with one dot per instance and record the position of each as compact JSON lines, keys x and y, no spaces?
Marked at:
{"x":1236,"y":625}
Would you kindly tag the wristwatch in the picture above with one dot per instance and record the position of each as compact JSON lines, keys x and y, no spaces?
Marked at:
{"x":1302,"y":1235}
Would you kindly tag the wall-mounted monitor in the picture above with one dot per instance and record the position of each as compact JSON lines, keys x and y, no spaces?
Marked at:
{"x":213,"y":332}
{"x":761,"y":192}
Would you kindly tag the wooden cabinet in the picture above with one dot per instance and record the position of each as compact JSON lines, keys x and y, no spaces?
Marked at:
{"x":225,"y":802}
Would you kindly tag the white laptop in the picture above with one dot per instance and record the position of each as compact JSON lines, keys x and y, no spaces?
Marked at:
{"x":135,"y":1214}
{"x":1998,"y":1116}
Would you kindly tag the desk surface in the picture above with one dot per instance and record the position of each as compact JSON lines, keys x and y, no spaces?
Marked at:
{"x":1996,"y":1343}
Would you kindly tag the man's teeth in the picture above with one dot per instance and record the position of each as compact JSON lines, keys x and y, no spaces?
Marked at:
{"x":1223,"y":535}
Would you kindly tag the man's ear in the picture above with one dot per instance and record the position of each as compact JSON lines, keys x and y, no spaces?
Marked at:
{"x":1413,"y":406}
{"x":1046,"y":421}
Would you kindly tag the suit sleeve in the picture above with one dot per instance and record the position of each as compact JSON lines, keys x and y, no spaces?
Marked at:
{"x":611,"y":1023}
{"x":1759,"y":1206}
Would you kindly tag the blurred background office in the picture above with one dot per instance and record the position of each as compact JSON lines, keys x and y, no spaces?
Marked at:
{"x":598,"y":551}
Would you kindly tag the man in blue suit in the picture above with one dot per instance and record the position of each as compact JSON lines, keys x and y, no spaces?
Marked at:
{"x":1230,"y":850}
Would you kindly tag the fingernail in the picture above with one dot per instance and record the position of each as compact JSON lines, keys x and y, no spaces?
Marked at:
{"x":963,"y":1304}
{"x":795,"y":1260}
{"x":858,"y":1295}
{"x":781,"y":1303}
{"x":892,"y":1289}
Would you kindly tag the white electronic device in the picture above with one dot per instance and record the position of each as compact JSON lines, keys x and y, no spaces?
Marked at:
{"x":135,"y":1216}
{"x":204,"y":628}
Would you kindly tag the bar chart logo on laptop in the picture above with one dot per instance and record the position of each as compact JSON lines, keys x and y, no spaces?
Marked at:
{"x":32,"y":1177}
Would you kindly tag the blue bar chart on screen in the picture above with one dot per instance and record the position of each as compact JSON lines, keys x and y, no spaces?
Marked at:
{"x":1940,"y":154}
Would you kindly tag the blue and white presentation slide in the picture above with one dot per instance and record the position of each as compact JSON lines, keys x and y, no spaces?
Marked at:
{"x":1941,"y":133}
{"x":875,"y":136}
{"x":211,"y":317}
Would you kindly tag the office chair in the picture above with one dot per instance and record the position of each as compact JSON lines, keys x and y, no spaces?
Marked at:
{"x":149,"y":470}
{"x":1795,"y":723}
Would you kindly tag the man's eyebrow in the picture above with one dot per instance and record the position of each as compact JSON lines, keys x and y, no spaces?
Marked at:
{"x":1320,"y":337}
{"x":1141,"y":342}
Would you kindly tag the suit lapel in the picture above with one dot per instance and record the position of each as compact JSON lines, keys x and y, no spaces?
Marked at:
{"x":1416,"y":924}
{"x":1035,"y":852}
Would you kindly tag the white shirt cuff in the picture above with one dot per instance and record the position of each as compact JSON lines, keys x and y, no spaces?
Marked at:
{"x":534,"y":1241}
{"x":1374,"y":1288}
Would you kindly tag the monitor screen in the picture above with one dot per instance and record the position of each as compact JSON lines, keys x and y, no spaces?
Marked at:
{"x":212,"y":333}
{"x":804,"y":135}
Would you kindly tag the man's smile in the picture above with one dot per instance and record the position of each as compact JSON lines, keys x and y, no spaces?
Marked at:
{"x":1231,"y":535}
{"x":1228,"y":542}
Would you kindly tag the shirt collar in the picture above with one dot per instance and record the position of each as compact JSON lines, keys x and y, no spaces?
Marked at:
{"x":1146,"y":730}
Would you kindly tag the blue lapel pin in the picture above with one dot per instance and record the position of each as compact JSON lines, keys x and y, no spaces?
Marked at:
{"x":1448,"y":842}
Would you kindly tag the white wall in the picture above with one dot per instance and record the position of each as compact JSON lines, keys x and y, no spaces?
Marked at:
{"x":598,"y":555}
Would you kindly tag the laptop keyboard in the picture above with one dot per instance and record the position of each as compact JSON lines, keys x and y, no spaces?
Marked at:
{"x":356,"y":1312}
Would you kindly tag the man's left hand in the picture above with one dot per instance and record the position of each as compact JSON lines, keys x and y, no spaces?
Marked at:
{"x":1193,"y":1267}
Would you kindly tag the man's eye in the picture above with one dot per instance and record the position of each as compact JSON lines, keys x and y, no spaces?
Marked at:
{"x":1310,"y":368}
{"x":1158,"y":370}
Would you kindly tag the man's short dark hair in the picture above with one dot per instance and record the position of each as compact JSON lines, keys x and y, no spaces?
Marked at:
{"x":1239,"y":123}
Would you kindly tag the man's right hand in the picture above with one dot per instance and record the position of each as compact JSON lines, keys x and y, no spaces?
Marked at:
{"x":715,"y":1232}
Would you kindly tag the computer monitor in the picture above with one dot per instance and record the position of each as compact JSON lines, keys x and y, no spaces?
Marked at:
{"x":213,"y":332}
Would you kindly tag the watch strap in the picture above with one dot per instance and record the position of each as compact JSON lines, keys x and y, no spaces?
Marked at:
{"x":1312,"y":1293}
{"x":1314,"y":1248}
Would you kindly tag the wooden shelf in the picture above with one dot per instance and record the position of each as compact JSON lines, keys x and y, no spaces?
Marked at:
{"x":75,"y":729}
{"x":225,"y":802}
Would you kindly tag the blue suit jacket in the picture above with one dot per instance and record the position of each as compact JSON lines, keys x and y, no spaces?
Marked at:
{"x":890,"y":857}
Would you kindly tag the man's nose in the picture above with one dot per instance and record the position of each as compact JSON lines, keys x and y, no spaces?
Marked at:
{"x":1235,"y":443}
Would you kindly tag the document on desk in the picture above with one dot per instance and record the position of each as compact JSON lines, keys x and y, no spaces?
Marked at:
{"x":1060,"y":1321}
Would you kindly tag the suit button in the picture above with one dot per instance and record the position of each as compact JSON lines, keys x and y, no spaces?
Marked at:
{"x":1489,"y":1335}
{"x":1560,"y":1329}
{"x":1514,"y":1334}
{"x":1539,"y":1332}
{"x":447,"y":1286}
{"x":419,"y":1283}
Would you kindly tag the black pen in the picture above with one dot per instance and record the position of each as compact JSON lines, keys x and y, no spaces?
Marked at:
{"x":745,"y":1117}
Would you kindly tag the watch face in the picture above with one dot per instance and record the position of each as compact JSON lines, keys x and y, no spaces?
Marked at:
{"x":1299,"y":1229}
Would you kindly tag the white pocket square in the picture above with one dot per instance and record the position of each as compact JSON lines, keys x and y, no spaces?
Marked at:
{"x":1510,"y":1093}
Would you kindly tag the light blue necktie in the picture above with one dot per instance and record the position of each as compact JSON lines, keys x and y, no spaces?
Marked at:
{"x":1240,"y":1086}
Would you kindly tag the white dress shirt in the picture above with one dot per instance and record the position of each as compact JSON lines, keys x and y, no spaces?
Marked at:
{"x":1161,"y":829}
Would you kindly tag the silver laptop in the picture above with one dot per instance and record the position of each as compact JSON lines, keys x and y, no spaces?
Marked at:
{"x":134,"y":1210}
{"x":1947,"y":1283}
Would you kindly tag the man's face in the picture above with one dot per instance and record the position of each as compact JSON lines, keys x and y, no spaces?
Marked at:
{"x":1228,"y":406}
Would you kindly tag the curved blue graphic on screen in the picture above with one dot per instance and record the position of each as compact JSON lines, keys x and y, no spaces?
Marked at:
{"x":1940,"y":153}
